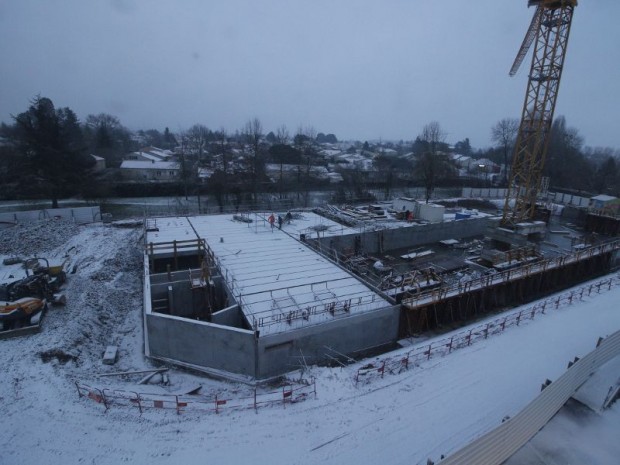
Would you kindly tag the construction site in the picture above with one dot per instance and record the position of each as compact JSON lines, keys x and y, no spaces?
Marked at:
{"x":253,"y":297}
{"x":239,"y":296}
{"x":417,"y":330}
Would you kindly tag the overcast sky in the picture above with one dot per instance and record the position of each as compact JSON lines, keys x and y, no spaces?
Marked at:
{"x":359,"y":69}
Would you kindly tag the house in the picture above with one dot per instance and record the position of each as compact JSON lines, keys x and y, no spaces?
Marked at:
{"x":150,"y":154}
{"x":485,"y":166}
{"x":205,"y":173}
{"x":141,"y":170}
{"x":462,"y":161}
{"x":99,"y":165}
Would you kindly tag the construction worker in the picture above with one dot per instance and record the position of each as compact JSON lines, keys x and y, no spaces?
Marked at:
{"x":272,"y":220}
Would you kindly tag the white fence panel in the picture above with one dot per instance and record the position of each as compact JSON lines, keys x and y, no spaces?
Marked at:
{"x":80,"y":215}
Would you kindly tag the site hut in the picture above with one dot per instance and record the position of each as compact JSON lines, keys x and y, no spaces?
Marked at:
{"x":228,"y":296}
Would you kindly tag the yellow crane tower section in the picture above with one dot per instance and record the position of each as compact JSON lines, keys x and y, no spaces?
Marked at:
{"x":548,"y":31}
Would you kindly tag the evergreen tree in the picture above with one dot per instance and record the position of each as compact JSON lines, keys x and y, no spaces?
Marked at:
{"x":51,"y":147}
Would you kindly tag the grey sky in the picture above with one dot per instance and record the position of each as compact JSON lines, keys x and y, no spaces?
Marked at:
{"x":360,"y":69}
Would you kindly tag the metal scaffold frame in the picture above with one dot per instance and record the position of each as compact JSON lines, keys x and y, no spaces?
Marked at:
{"x":552,"y":32}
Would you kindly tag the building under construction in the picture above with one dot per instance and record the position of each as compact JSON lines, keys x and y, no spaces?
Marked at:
{"x":241,"y":297}
{"x":252,"y":297}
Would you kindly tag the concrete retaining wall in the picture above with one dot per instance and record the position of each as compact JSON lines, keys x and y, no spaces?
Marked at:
{"x":391,"y":239}
{"x":223,"y":349}
{"x":202,"y":344}
{"x":348,"y":335}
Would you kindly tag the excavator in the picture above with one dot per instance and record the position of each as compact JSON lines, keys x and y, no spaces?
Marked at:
{"x":24,"y":299}
{"x":20,"y":310}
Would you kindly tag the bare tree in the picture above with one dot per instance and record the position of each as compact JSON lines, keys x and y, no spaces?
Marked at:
{"x":432,"y":164}
{"x":223,"y":149}
{"x":253,"y":133}
{"x":184,"y":164}
{"x":305,"y":142}
{"x":282,"y":135}
{"x":504,"y":133}
{"x":197,"y":138}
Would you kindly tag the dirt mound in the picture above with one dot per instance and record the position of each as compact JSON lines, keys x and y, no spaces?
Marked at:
{"x":58,"y":354}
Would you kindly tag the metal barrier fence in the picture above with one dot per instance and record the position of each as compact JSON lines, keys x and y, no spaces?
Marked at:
{"x":79,"y":215}
{"x":442,"y":347}
{"x":288,"y":394}
{"x":498,"y":445}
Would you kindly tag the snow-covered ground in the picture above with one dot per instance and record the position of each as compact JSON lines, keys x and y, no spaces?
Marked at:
{"x":431,"y":409}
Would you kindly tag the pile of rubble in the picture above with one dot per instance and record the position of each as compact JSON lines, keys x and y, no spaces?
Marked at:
{"x":41,"y":236}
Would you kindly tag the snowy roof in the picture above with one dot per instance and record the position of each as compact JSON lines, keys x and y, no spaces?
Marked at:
{"x":148,"y":156}
{"x":331,"y":152}
{"x":484,"y":162}
{"x":149,"y":165}
{"x":279,"y":282}
{"x":153,"y":154}
{"x":205,"y":173}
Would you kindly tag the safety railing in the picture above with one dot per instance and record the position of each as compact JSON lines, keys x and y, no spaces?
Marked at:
{"x":442,"y":293}
{"x":465,"y":338}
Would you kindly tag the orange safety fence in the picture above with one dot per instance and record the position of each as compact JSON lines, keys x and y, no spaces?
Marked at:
{"x":287,"y":394}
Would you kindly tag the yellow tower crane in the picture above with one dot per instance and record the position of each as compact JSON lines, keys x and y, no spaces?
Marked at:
{"x":549,"y":32}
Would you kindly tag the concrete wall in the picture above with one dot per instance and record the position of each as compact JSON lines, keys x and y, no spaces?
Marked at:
{"x":203,"y":344}
{"x":231,"y":316}
{"x":221,"y":346}
{"x":348,"y":335}
{"x":391,"y":239}
{"x":226,"y":349}
{"x":568,"y":199}
{"x":485,"y":193}
{"x":182,"y":301}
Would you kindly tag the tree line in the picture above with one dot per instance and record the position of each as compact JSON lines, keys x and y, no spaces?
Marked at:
{"x":45,"y":153}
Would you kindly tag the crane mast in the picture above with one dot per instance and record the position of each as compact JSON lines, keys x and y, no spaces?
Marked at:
{"x":549,"y":31}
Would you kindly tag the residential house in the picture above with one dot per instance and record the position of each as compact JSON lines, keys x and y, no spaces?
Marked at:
{"x":150,"y":154}
{"x":99,"y":164}
{"x":142,"y":170}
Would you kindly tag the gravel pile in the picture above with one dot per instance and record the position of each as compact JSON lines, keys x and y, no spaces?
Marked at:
{"x":41,"y":236}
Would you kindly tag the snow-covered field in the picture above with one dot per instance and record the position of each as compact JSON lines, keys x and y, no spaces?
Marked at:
{"x":429,"y":410}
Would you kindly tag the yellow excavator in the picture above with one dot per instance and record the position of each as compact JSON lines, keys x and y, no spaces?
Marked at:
{"x":21,"y":309}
